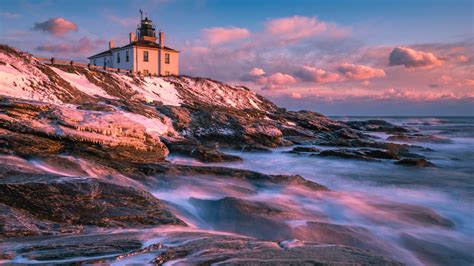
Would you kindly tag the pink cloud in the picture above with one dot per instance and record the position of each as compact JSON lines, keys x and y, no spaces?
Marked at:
{"x":462,"y":58}
{"x":83,"y":45}
{"x":316,"y":75}
{"x":360,"y":72}
{"x":220,"y":35}
{"x":56,"y":26}
{"x":277,"y":79}
{"x":126,"y":22}
{"x":255,"y":72}
{"x":295,"y":28}
{"x":411,"y":58}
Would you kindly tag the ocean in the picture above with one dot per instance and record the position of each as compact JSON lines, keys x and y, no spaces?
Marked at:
{"x":363,"y":190}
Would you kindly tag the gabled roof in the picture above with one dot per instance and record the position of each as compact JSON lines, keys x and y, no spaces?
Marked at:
{"x":140,"y":43}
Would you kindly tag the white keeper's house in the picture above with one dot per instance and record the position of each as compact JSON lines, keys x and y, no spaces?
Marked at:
{"x":143,"y":54}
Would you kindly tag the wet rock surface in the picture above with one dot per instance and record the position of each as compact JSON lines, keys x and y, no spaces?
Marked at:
{"x":414,"y":137}
{"x":237,"y":251}
{"x":416,"y":162}
{"x":42,"y":204}
{"x":438,"y":254}
{"x":188,"y":247}
{"x":376,"y":125}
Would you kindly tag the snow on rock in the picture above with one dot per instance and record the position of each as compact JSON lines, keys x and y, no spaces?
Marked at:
{"x":22,"y":79}
{"x":215,"y":93}
{"x":152,"y":125}
{"x":81,"y":83}
{"x":107,"y":128}
{"x":152,"y":89}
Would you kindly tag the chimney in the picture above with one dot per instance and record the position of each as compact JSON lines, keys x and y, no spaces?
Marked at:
{"x":161,"y":35}
{"x":111,"y":44}
{"x":131,"y":37}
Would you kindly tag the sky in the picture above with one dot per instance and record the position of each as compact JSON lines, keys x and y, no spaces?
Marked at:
{"x":337,"y":57}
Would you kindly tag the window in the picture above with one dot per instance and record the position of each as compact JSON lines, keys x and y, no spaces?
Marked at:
{"x":145,"y":72}
{"x":126,"y":56}
{"x":167,"y":73}
{"x":167,"y":58}
{"x":145,"y":56}
{"x":118,"y":58}
{"x":95,"y":63}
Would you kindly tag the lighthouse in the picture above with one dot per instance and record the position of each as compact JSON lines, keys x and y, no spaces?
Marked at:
{"x":145,"y":53}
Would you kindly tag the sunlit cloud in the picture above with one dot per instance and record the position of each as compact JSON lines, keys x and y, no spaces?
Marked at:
{"x":316,"y":75}
{"x":81,"y":46}
{"x":360,"y":72}
{"x":56,"y":26}
{"x":411,"y":58}
{"x":220,"y":35}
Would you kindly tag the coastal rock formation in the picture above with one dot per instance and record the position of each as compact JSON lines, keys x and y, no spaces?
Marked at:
{"x":84,"y":152}
{"x":80,"y":201}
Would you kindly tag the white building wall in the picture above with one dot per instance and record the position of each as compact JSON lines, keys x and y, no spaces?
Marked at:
{"x":123,"y":64}
{"x":156,"y":64}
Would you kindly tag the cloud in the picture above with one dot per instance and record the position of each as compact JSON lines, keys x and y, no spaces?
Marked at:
{"x":295,"y":28}
{"x":126,"y":22}
{"x":256,"y":72}
{"x":220,"y":35}
{"x":317,"y":75}
{"x":360,"y":72}
{"x":83,"y":45}
{"x":56,"y":26}
{"x":9,"y":15}
{"x":275,"y":81}
{"x":411,"y":58}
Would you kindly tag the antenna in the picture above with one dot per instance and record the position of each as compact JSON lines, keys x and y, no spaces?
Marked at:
{"x":141,"y":14}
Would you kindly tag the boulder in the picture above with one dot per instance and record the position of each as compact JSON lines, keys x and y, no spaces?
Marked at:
{"x":417,"y":162}
{"x":233,"y":250}
{"x":376,"y":125}
{"x":83,"y":201}
{"x":298,"y":150}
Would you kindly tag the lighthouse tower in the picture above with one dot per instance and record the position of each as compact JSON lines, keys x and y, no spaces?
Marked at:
{"x":143,"y":54}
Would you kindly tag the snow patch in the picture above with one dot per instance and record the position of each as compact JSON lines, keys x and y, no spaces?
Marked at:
{"x":22,"y":80}
{"x":152,"y":125}
{"x":81,"y":83}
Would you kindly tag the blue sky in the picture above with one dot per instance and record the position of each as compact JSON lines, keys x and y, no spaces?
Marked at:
{"x":339,"y":67}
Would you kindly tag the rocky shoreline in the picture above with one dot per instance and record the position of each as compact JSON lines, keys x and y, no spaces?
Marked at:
{"x":75,"y":165}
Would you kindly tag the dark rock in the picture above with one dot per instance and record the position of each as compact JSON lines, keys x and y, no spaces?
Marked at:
{"x":419,"y":138}
{"x":83,"y":201}
{"x":232,"y":250}
{"x":376,"y":125}
{"x":258,"y":219}
{"x":199,"y":152}
{"x":364,"y":154}
{"x":415,"y":162}
{"x":298,"y":150}
{"x":255,"y":148}
{"x":77,"y":247}
{"x":168,"y":170}
{"x":96,"y":107}
{"x":19,"y":223}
